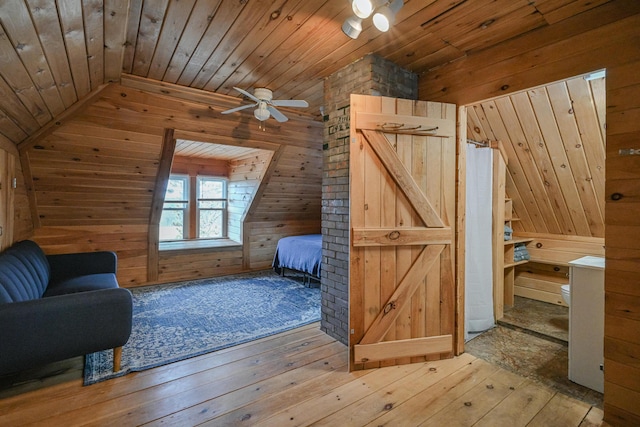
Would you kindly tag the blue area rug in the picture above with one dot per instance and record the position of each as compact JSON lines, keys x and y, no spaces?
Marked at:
{"x":177,"y":321}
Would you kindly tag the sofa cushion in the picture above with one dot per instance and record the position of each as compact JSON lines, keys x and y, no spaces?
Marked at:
{"x":24,"y":272}
{"x":90,"y":282}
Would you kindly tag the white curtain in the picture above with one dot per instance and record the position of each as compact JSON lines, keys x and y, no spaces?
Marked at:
{"x":478,"y":235}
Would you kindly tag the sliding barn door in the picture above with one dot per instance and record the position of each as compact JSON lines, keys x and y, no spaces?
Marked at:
{"x":402,"y":205}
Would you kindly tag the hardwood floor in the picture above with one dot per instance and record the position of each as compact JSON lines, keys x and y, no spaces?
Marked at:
{"x":299,"y":378}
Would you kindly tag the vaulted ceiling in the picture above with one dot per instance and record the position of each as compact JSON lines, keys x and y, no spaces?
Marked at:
{"x":54,"y":54}
{"x":554,"y":140}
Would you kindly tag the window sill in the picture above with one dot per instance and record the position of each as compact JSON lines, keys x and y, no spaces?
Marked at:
{"x":208,"y":244}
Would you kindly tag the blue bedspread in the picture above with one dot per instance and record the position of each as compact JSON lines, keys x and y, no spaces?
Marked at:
{"x":302,"y":253}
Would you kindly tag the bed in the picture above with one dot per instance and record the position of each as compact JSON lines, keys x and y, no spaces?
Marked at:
{"x":299,"y":253}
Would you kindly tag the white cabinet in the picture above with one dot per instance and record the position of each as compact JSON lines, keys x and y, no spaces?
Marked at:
{"x":586,"y":322}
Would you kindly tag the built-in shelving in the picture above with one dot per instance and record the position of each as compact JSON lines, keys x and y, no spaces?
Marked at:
{"x":508,"y":254}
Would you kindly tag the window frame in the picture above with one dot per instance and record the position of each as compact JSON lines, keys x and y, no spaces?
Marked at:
{"x":191,"y":216}
{"x":224,"y":200}
{"x":185,"y":216}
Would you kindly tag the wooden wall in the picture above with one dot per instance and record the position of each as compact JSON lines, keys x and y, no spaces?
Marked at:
{"x":605,"y":37}
{"x":554,"y":138}
{"x":245,"y":176}
{"x":290,"y":202}
{"x":91,"y":176}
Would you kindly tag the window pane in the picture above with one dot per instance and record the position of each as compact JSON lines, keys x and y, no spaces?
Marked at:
{"x":177,"y":189}
{"x":210,"y":224}
{"x":211,"y":189}
{"x":172,"y":225}
{"x":211,"y":204}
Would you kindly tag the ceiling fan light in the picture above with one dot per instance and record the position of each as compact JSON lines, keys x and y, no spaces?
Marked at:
{"x":352,"y":27}
{"x":362,"y":8}
{"x":262,"y":113}
{"x":385,"y":16}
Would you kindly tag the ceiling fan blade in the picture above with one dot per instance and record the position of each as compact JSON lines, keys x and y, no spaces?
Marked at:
{"x":277,"y":114}
{"x":290,"y":103}
{"x":247,"y":94}
{"x":242,"y":107}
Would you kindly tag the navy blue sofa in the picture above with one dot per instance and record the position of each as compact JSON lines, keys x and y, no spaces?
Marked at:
{"x":53,"y":307}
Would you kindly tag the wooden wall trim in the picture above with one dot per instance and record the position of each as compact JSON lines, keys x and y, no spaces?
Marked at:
{"x":461,"y":206}
{"x":162,"y":178}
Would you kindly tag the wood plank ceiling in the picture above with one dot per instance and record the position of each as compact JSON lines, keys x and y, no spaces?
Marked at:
{"x":53,"y":54}
{"x":554,"y":137}
{"x":208,"y":150}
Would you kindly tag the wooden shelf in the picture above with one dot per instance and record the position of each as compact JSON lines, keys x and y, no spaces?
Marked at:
{"x":506,"y":280}
{"x":515,"y":240}
{"x":513,"y":264}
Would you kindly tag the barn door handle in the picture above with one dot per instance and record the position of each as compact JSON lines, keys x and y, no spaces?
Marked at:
{"x":402,"y":128}
{"x":616,"y":196}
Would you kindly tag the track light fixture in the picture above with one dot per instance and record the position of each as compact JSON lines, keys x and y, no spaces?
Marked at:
{"x":383,"y":18}
{"x":352,"y":27}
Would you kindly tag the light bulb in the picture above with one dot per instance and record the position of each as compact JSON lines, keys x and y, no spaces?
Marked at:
{"x":381,"y":20}
{"x":262,"y":113}
{"x":362,"y":8}
{"x":386,"y":15}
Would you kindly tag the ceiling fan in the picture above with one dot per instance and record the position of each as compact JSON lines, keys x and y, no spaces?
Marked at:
{"x":266,"y":105}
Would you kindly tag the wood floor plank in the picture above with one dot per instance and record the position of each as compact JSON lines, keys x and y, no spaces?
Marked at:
{"x":237,"y":400}
{"x":67,"y":397}
{"x":300,"y":392}
{"x":319,"y":407}
{"x":519,"y":407}
{"x":167,"y":398}
{"x":561,"y":411}
{"x":474,"y":404}
{"x":299,"y":378}
{"x":426,"y":403}
{"x":382,"y":401}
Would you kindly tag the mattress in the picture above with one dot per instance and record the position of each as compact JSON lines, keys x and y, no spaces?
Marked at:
{"x":301,"y":253}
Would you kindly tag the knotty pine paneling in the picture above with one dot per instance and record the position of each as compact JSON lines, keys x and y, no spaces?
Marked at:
{"x":265,"y":236}
{"x":245,"y":176}
{"x":285,"y":196}
{"x":128,"y":241}
{"x":198,"y":263}
{"x":605,"y":37}
{"x":54,"y":53}
{"x":94,"y":173}
{"x":554,"y":141}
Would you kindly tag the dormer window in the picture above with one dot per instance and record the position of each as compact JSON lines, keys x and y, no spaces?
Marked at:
{"x":195,"y":207}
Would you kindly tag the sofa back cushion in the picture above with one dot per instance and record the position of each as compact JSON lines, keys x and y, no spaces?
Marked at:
{"x":24,"y":272}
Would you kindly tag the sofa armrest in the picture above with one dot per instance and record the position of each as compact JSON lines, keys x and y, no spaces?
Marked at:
{"x":45,"y":330}
{"x":65,"y":266}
